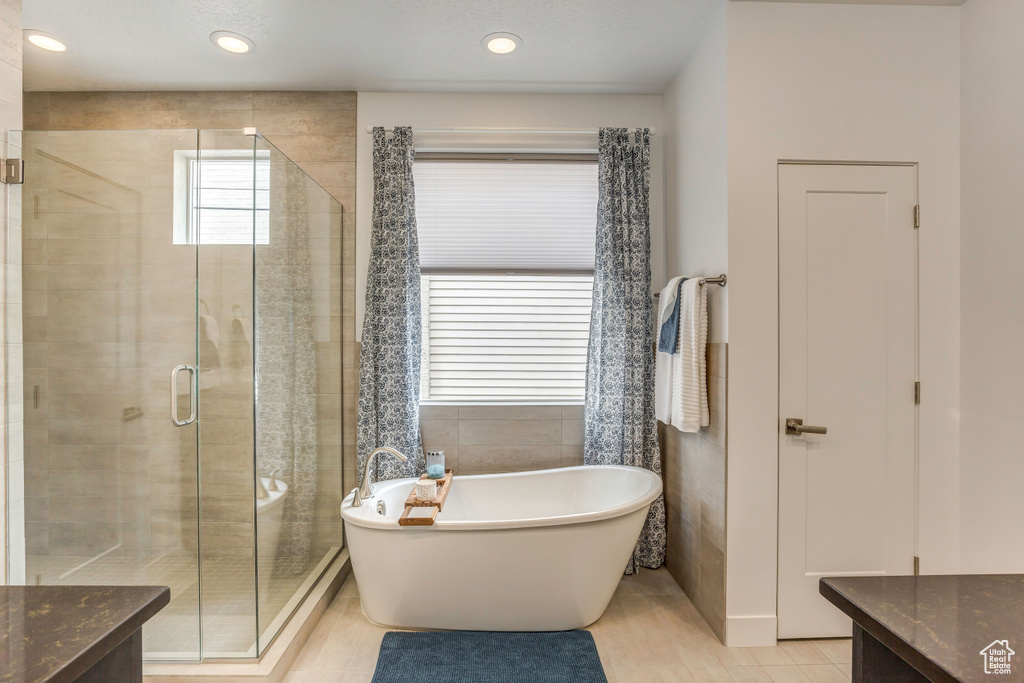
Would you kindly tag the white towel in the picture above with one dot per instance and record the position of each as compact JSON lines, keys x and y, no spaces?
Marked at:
{"x":664,"y":361}
{"x":689,"y":398}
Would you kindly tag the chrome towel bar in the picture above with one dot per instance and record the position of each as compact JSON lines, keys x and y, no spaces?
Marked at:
{"x":720,"y":281}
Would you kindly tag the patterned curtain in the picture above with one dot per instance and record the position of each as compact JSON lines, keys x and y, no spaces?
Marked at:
{"x":619,"y":427}
{"x":389,"y":361}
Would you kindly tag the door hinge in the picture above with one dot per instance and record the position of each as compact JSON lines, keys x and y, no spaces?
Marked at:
{"x":917,"y":216}
{"x":917,"y":566}
{"x":13,"y":171}
{"x":917,"y":393}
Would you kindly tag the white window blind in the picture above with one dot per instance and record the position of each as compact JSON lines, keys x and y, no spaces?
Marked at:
{"x":505,"y":337}
{"x":229,"y":202}
{"x":501,"y":216}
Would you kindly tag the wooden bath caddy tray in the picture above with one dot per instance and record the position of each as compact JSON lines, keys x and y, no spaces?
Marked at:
{"x":421,"y":516}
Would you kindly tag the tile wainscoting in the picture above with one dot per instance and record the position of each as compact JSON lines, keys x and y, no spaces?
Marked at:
{"x":694,"y":473}
{"x":484,"y":439}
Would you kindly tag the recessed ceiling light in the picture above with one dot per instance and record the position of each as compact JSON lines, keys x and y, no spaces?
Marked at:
{"x":46,"y":41}
{"x":232,"y":42}
{"x":501,"y":43}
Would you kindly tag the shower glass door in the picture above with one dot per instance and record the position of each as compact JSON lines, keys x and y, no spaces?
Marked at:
{"x":227,"y":218}
{"x":182,"y":386}
{"x":109,"y":292}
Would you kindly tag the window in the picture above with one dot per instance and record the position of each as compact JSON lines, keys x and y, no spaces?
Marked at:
{"x":507,"y":255}
{"x":222,"y":197}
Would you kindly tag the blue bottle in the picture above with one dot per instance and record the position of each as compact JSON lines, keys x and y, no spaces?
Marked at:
{"x":435,"y":464}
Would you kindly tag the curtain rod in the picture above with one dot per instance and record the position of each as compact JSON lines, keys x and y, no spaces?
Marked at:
{"x":537,"y":131}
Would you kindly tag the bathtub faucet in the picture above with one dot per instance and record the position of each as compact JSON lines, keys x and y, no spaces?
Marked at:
{"x":366,"y":488}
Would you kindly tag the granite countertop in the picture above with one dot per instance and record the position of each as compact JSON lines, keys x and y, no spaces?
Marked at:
{"x":55,"y":633}
{"x":938,"y":624}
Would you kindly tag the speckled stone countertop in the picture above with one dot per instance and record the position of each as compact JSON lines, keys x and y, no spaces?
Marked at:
{"x":55,"y":633}
{"x":938,"y":624}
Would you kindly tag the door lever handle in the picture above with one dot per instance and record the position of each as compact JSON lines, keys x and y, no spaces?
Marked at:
{"x":795,"y":425}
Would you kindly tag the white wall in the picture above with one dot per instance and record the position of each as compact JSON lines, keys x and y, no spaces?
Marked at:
{"x":834,"y":82}
{"x":475,"y":110}
{"x":696,"y":180}
{"x":991,"y":296}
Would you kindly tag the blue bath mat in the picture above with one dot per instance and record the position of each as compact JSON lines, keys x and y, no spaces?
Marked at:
{"x":486,"y":657}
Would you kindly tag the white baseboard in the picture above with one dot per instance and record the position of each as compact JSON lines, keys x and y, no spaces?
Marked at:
{"x":755,"y":631}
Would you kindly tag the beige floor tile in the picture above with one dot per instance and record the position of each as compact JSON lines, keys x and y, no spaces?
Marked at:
{"x":838,"y":651}
{"x":306,"y":659}
{"x":657,"y":582}
{"x":731,"y":656}
{"x":657,"y":674}
{"x":770,"y":656}
{"x":349,"y":588}
{"x":786,"y":674}
{"x":313,"y":677}
{"x":356,"y":677}
{"x":365,"y":656}
{"x":823,"y":673}
{"x":804,"y":652}
{"x":748,"y":674}
{"x":845,"y":668}
{"x":344,"y":638}
{"x":650,"y":633}
{"x":710,"y":674}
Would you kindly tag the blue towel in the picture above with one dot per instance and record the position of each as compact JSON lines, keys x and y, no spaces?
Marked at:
{"x":668,"y":337}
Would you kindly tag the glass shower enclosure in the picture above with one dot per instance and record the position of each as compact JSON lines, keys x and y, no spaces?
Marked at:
{"x":181,"y":331}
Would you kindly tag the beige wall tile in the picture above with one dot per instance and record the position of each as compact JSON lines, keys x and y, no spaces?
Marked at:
{"x":272,"y":122}
{"x":439,"y":412}
{"x":439,"y":432}
{"x":510,"y":412}
{"x":304,"y":100}
{"x":315,"y":147}
{"x":694,"y":471}
{"x":488,"y":459}
{"x":202,"y":118}
{"x":207,"y":99}
{"x":519,"y":432}
{"x":572,"y":432}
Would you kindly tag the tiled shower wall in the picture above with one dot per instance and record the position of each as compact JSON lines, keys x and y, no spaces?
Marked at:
{"x":12,"y":504}
{"x":317,"y":131}
{"x":693,"y":467}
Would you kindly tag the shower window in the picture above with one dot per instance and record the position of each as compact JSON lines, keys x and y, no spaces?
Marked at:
{"x":507,"y":256}
{"x":230,"y":190}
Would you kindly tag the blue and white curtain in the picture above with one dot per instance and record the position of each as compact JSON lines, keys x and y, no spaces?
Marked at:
{"x":389,"y":360}
{"x":620,"y":428}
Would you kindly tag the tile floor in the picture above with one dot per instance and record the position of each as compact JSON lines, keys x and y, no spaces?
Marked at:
{"x":651,"y":633}
{"x":229,"y":596}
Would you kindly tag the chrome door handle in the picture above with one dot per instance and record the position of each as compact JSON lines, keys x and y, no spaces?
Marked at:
{"x":795,"y":425}
{"x":191,"y":395}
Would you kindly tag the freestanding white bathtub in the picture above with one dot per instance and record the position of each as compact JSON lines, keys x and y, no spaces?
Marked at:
{"x":529,"y":551}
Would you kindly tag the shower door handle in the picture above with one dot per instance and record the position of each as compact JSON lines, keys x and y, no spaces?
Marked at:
{"x":191,"y":395}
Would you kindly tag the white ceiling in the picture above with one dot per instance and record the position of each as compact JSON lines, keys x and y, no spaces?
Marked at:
{"x":608,"y":46}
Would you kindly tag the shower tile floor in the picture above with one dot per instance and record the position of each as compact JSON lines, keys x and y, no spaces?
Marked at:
{"x":229,"y":601}
{"x":650,"y":633}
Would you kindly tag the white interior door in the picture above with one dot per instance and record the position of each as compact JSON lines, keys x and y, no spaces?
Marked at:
{"x":847,"y":362}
